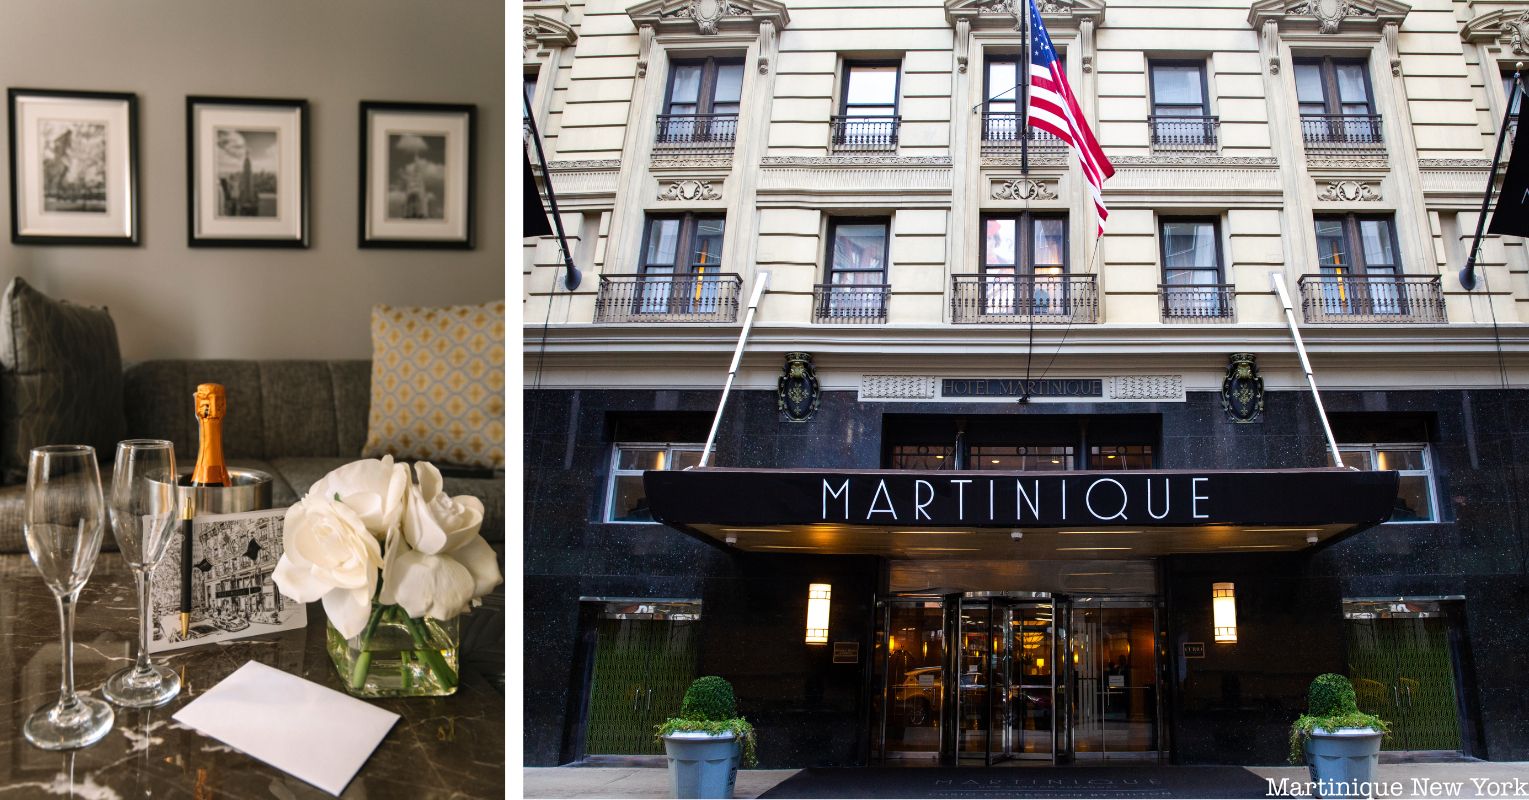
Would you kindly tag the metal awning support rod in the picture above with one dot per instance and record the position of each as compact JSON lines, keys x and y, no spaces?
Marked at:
{"x":761,"y":281}
{"x":1278,"y":281}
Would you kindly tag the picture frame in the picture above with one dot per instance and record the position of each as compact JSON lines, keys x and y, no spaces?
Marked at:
{"x":73,"y":167}
{"x":418,"y":175}
{"x":247,"y":172}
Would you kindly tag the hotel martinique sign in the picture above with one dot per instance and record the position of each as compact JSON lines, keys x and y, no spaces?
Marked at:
{"x":974,"y":499}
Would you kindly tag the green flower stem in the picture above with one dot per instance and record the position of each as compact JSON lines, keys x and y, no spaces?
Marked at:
{"x":364,"y":658}
{"x":431,"y":656}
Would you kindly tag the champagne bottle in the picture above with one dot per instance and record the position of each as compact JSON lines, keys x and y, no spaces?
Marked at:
{"x":211,"y":403}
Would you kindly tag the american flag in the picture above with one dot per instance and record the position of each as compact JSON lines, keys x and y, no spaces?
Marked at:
{"x":1053,"y":108}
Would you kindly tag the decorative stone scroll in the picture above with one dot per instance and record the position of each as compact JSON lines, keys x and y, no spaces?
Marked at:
{"x":1330,"y":14}
{"x":1024,"y":189}
{"x":1349,"y":192}
{"x":689,"y":189}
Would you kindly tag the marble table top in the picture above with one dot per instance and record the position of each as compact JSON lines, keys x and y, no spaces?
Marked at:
{"x":448,"y":747}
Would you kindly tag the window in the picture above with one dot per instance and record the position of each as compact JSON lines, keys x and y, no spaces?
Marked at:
{"x":701,"y":103}
{"x":1024,"y":458}
{"x":1414,"y":496}
{"x":1024,"y":263}
{"x":1120,"y":457}
{"x":678,"y":253}
{"x":867,"y":106}
{"x":1335,"y":101}
{"x":625,"y":499}
{"x":1360,"y":252}
{"x":529,"y":85}
{"x":926,"y":457}
{"x":1192,"y":278}
{"x":1000,"y":118}
{"x":1180,"y":105}
{"x":857,"y":268}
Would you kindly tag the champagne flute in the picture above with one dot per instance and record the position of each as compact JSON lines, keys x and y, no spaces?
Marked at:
{"x":63,"y":522}
{"x":143,"y":513}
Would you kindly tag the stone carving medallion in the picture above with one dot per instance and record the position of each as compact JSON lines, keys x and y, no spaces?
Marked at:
{"x":1331,"y":13}
{"x":1242,"y":392}
{"x":1349,"y":192}
{"x":707,"y":13}
{"x":689,"y":189}
{"x":1024,"y":189}
{"x":797,"y":391}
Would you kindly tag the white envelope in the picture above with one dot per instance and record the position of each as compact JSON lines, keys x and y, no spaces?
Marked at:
{"x":297,"y":726}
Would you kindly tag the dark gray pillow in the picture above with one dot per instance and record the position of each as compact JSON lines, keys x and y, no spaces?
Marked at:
{"x":60,"y":378}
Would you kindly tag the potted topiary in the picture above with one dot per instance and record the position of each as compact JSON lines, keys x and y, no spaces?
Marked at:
{"x":706,"y":741}
{"x":1338,"y":742}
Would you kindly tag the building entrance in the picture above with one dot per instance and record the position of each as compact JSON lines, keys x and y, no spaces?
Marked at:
{"x":1403,"y":656}
{"x":987,"y":679}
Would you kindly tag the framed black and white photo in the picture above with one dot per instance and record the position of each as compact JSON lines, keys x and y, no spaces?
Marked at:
{"x":74,"y":167}
{"x":417,"y":175}
{"x":246,"y":172}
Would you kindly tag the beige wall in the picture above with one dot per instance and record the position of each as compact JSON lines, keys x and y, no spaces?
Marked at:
{"x":1433,"y":83}
{"x":170,"y":301}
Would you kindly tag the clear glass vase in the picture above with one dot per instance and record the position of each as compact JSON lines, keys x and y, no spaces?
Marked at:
{"x":397,"y":655}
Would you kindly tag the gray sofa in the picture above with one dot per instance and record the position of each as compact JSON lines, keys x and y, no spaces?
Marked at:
{"x":294,"y":419}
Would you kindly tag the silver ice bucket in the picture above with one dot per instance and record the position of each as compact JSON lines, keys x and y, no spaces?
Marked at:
{"x":249,"y":490}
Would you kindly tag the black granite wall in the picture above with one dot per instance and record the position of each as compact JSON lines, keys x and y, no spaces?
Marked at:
{"x":1233,"y":706}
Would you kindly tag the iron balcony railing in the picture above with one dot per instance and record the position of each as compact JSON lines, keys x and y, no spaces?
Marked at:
{"x":1000,"y":137}
{"x":1372,"y":299}
{"x":851,"y":134}
{"x":695,"y":134}
{"x":850,"y":303}
{"x":1342,"y":135}
{"x":1210,"y":302}
{"x":709,"y":297}
{"x":1184,"y":134}
{"x":1038,"y":299}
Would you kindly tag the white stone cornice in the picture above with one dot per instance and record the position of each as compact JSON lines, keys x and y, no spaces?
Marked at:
{"x":1507,"y":27}
{"x":709,"y":17}
{"x":543,"y":31}
{"x":1003,"y":14}
{"x":1310,"y":18}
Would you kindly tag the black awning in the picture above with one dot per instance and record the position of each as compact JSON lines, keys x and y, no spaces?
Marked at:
{"x":972,"y":514}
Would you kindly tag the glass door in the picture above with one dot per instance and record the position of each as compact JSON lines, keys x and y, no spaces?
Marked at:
{"x":1402,"y":662}
{"x":908,"y":699}
{"x":981,"y":681}
{"x":1112,"y":665}
{"x":644,"y":659}
{"x":1031,"y":718}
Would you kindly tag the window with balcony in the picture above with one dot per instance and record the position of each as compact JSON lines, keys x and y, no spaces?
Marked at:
{"x":701,"y":105}
{"x":679,"y":278}
{"x":1337,"y":107}
{"x":1181,"y":121}
{"x":1361,"y":278}
{"x":1194,"y":287}
{"x":1023,"y":275}
{"x":867,"y":118}
{"x":857,"y":289}
{"x":1000,"y":110}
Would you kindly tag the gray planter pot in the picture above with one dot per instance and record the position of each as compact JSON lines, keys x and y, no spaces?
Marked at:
{"x":1342,"y":762}
{"x":702,"y":765}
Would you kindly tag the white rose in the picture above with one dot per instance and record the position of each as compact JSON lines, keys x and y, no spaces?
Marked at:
{"x":439,"y":564}
{"x":373,"y":488}
{"x":330,"y":555}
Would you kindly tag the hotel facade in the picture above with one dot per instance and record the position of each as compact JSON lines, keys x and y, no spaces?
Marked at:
{"x":989,"y":489}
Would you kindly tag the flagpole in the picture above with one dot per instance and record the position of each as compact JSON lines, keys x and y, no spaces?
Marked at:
{"x":1024,"y":89}
{"x":572,"y":278}
{"x":1468,"y":273}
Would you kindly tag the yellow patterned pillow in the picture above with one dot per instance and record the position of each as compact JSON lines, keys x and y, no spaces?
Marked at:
{"x":438,"y":385}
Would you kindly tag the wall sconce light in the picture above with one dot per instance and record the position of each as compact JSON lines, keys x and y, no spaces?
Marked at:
{"x":1223,"y":601}
{"x":818,"y":595}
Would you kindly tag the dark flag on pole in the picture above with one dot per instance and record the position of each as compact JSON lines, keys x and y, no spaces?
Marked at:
{"x":1512,"y":214}
{"x":535,"y":215}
